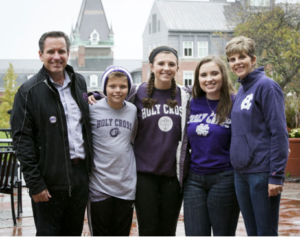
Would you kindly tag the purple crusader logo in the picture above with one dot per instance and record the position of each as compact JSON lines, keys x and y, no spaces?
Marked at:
{"x":115,"y":132}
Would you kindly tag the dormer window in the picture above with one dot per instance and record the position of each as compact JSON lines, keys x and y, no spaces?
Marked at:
{"x":94,"y":81}
{"x":94,"y":37}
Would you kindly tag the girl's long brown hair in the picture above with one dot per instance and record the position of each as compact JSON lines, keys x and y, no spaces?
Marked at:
{"x":149,"y":102}
{"x":225,"y":104}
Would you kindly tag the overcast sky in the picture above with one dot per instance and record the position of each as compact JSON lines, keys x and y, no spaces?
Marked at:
{"x":22,"y":22}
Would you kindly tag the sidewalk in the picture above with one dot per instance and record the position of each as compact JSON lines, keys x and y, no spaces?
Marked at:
{"x":289,"y":222}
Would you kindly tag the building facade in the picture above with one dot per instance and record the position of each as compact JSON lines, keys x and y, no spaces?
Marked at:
{"x":195,"y":28}
{"x":91,"y":51}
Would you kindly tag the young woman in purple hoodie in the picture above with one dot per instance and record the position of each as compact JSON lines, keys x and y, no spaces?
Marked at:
{"x":259,"y":143}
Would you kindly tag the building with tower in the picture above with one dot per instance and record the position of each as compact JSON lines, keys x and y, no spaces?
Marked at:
{"x":91,"y":52}
{"x":92,"y":41}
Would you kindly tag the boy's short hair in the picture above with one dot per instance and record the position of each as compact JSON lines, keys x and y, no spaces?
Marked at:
{"x":117,"y":71}
{"x":117,"y":74}
{"x":240,"y":45}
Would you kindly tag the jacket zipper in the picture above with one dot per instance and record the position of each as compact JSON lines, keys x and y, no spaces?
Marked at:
{"x":62,"y":125}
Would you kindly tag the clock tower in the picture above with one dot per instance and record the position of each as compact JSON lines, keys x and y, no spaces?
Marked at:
{"x":92,"y":39}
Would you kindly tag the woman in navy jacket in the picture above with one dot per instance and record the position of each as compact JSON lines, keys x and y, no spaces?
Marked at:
{"x":259,"y":143}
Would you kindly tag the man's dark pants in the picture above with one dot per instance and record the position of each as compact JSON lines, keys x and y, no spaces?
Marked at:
{"x":64,"y":214}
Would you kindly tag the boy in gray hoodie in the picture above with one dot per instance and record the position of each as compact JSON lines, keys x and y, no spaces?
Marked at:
{"x":113,"y":180}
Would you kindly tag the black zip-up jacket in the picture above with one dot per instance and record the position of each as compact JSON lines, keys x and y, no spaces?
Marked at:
{"x":42,"y":146}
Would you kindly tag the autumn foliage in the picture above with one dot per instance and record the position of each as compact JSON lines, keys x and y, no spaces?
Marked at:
{"x":276,"y":31}
{"x":7,"y":99}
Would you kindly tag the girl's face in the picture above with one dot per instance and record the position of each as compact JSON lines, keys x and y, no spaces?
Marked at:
{"x":164,"y":68}
{"x":241,"y":64}
{"x":211,"y":80}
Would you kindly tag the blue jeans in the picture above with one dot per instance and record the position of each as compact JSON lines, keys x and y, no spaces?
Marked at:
{"x":210,"y":202}
{"x":260,"y":212}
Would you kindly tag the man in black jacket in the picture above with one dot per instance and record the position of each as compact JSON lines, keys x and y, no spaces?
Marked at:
{"x":53,"y":141}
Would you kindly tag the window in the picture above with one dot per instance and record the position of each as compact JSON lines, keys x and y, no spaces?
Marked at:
{"x":260,"y":3}
{"x":149,"y":28}
{"x":202,"y":49}
{"x":93,"y":81}
{"x":158,"y":26}
{"x":187,"y":49}
{"x":154,"y":23}
{"x":94,"y":37}
{"x":188,"y":78}
{"x":137,"y":78}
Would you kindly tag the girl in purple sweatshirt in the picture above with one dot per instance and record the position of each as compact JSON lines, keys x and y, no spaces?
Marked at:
{"x":210,"y":202}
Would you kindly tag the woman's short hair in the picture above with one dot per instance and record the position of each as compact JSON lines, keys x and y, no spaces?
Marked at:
{"x":240,"y":44}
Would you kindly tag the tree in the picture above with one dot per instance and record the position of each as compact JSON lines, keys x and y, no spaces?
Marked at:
{"x":276,"y":32}
{"x":8,"y":96}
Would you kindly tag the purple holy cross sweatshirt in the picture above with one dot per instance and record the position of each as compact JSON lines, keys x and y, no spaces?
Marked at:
{"x":209,"y":141}
{"x":158,"y":134}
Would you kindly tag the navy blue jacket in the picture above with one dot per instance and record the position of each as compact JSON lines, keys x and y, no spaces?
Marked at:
{"x":259,"y":140}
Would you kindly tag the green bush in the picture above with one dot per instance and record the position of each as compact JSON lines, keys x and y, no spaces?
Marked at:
{"x":292,"y":110}
{"x":294,"y":133}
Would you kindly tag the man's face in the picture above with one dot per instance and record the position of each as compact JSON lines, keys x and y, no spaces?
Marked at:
{"x":55,"y":55}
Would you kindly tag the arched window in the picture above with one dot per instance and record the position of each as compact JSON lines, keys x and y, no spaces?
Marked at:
{"x":94,"y":37}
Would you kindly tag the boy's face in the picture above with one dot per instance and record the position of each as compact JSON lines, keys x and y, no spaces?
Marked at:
{"x":116,"y":91}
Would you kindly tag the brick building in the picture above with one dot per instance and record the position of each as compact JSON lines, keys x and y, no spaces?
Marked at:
{"x":193,"y":28}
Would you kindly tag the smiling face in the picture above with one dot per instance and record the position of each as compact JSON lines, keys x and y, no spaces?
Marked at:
{"x":164,"y":68}
{"x":55,"y":56}
{"x":116,"y":91}
{"x":241,"y":64}
{"x":210,"y":80}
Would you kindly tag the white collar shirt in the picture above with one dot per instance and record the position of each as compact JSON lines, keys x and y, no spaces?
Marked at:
{"x":73,"y":117}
